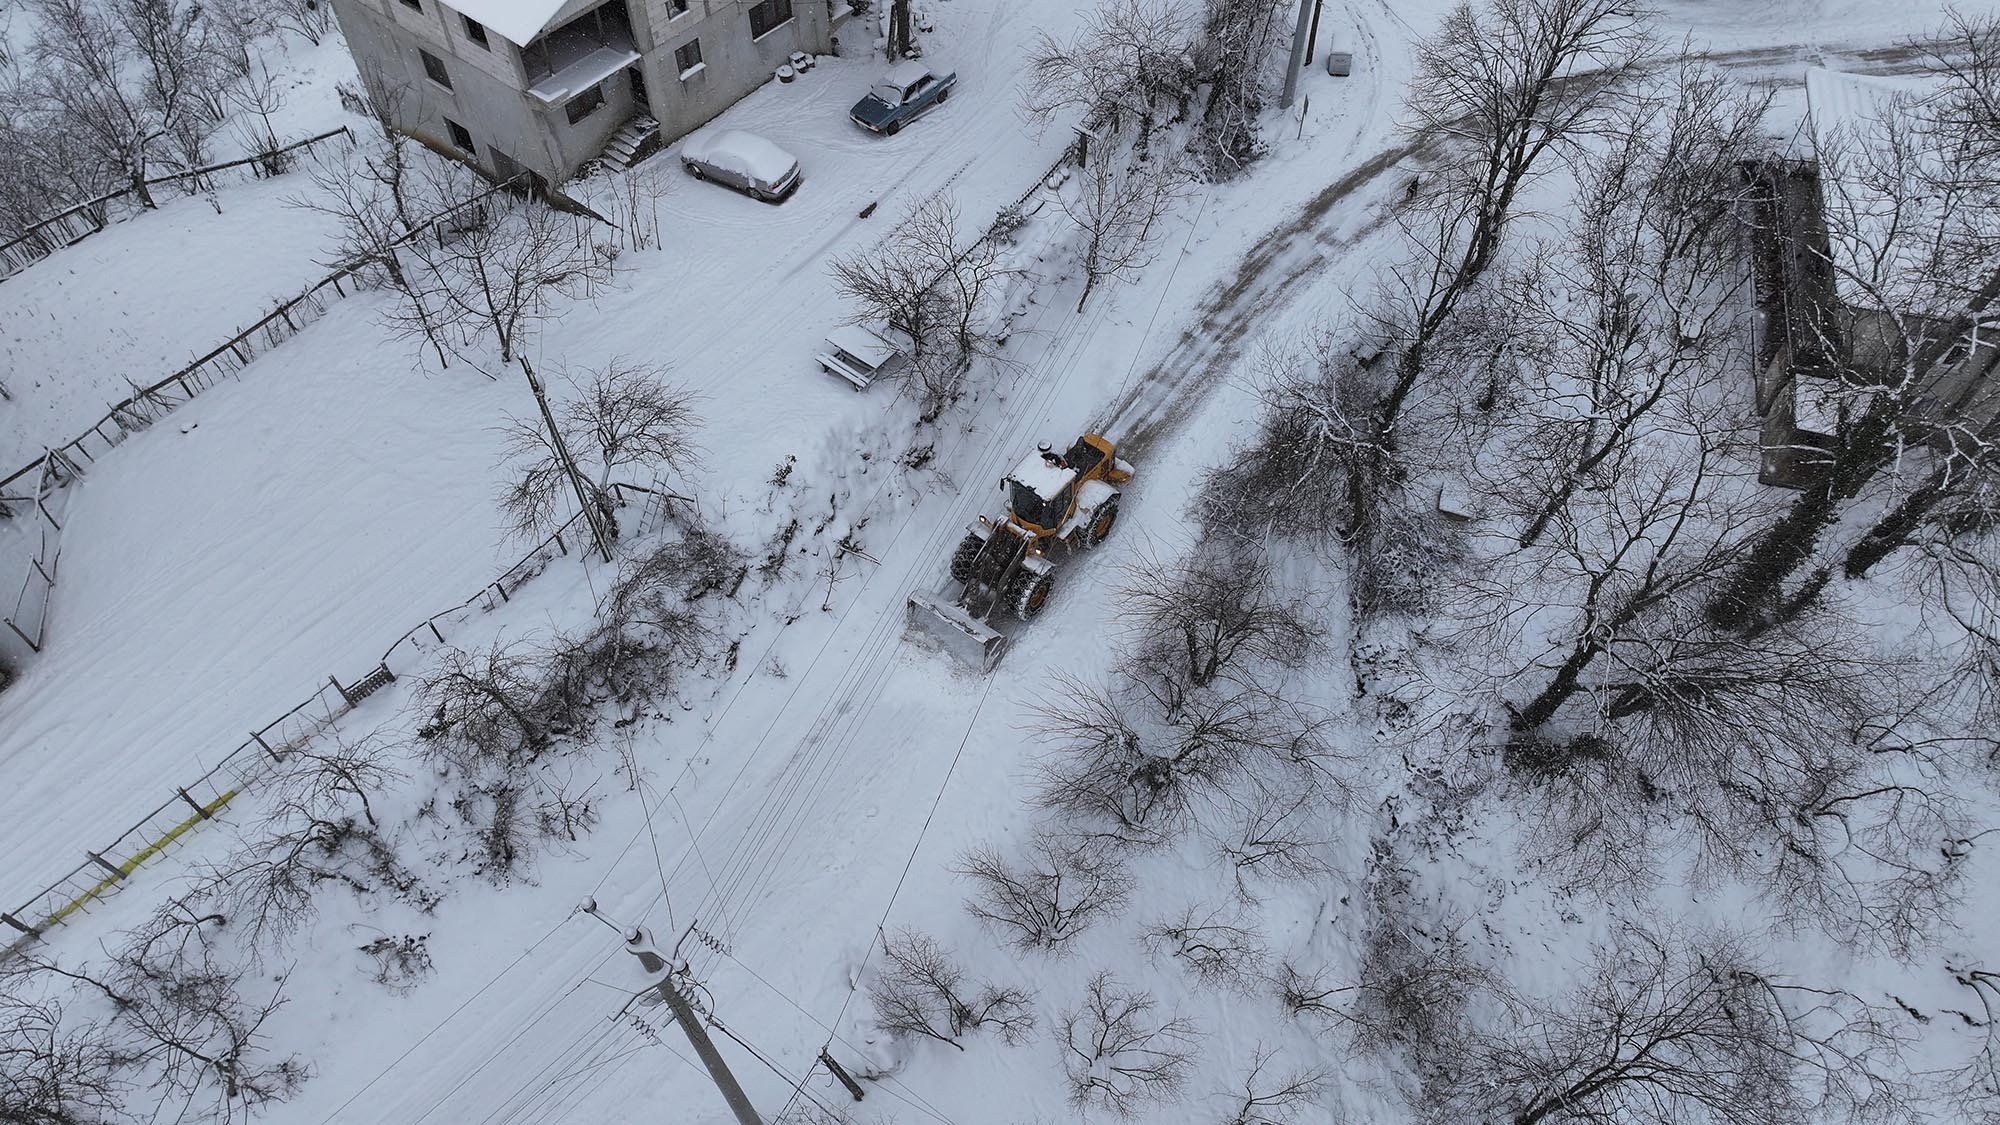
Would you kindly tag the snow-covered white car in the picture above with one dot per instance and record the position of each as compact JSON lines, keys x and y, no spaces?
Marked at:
{"x":861,"y":355}
{"x":744,"y":161}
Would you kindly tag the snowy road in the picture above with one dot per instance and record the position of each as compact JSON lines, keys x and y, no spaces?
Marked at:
{"x":823,"y":793}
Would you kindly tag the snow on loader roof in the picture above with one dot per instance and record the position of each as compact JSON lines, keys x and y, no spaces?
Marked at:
{"x":1044,"y":476}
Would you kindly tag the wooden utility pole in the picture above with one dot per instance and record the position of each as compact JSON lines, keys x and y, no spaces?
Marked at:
{"x":1298,"y":55}
{"x":639,"y":943}
{"x":584,"y":500}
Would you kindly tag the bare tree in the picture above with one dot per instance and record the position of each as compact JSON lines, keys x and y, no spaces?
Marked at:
{"x":1131,"y":57}
{"x":922,"y":991}
{"x":1119,"y":1054}
{"x":623,"y":420}
{"x":258,"y":97}
{"x":1215,"y":946}
{"x":498,"y":264}
{"x":1278,"y":831}
{"x":1272,"y":1100}
{"x":1062,"y":888}
{"x":126,"y":76}
{"x":1502,"y":85}
{"x":1648,"y":267}
{"x":1117,"y":208}
{"x":1673,"y":1032}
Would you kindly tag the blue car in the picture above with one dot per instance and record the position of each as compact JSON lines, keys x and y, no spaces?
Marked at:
{"x":907,"y":91}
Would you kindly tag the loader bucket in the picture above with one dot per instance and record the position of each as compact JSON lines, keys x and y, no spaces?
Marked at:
{"x":971,"y":642}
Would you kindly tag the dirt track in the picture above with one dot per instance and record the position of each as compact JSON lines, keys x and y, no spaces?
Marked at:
{"x":1155,"y":404}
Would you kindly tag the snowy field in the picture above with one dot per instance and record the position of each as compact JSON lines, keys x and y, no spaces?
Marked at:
{"x":819,"y":792}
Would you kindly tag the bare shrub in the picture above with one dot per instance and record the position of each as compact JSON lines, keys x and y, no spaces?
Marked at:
{"x":181,"y":1023}
{"x":651,"y":625}
{"x":1141,"y":779}
{"x":1279,"y":831}
{"x":624,"y":424}
{"x":1216,"y":947}
{"x":1262,"y":1099}
{"x":401,"y":964}
{"x":921,"y":990}
{"x":1297,"y":478}
{"x":1061,"y":888}
{"x":57,"y":1069}
{"x":1119,"y":1054}
{"x":269,"y":887}
{"x":1213,"y":610}
{"x":486,"y":707}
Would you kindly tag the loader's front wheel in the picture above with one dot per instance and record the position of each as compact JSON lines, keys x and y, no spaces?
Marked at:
{"x":966,"y":555}
{"x":1101,"y":522}
{"x":1029,"y":593}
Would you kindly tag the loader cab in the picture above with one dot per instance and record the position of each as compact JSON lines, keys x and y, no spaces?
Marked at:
{"x":1040,"y":493}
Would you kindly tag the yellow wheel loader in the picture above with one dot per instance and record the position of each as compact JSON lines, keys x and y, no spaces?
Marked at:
{"x":1069,"y":498}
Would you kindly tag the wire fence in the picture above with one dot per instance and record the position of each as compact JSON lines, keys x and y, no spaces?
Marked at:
{"x":101,"y":871}
{"x":80,"y":221}
{"x":39,"y":484}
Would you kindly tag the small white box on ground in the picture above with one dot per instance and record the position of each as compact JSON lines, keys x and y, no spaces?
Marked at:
{"x":1340,"y":64}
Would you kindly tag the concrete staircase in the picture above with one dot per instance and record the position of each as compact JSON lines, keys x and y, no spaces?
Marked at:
{"x":636,"y":140}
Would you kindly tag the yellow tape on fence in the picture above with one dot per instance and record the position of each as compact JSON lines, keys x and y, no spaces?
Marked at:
{"x":148,"y":852}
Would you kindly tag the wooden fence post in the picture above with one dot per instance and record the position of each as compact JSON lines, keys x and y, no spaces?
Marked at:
{"x":840,"y":1072}
{"x":434,"y":631}
{"x":192,"y":803}
{"x":345,"y":698}
{"x":18,"y":924}
{"x":107,"y":865}
{"x":267,"y":746}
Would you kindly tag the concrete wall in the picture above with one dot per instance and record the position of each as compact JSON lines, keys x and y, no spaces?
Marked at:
{"x":488,"y":94}
{"x":732,"y":63}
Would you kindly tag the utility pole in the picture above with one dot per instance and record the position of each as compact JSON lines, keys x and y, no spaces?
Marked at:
{"x":639,"y":943}
{"x":1298,"y":55}
{"x":899,"y":29}
{"x":591,"y":515}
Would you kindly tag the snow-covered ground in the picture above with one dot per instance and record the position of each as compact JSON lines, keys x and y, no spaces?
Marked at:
{"x":293,"y":523}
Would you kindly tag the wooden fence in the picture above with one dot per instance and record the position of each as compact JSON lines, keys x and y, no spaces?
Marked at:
{"x":80,"y":221}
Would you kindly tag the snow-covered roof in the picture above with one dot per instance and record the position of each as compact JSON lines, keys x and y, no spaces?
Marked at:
{"x":862,"y":343}
{"x":905,"y":72}
{"x":517,"y":21}
{"x":1038,"y":474}
{"x":584,"y":73}
{"x":744,"y":153}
